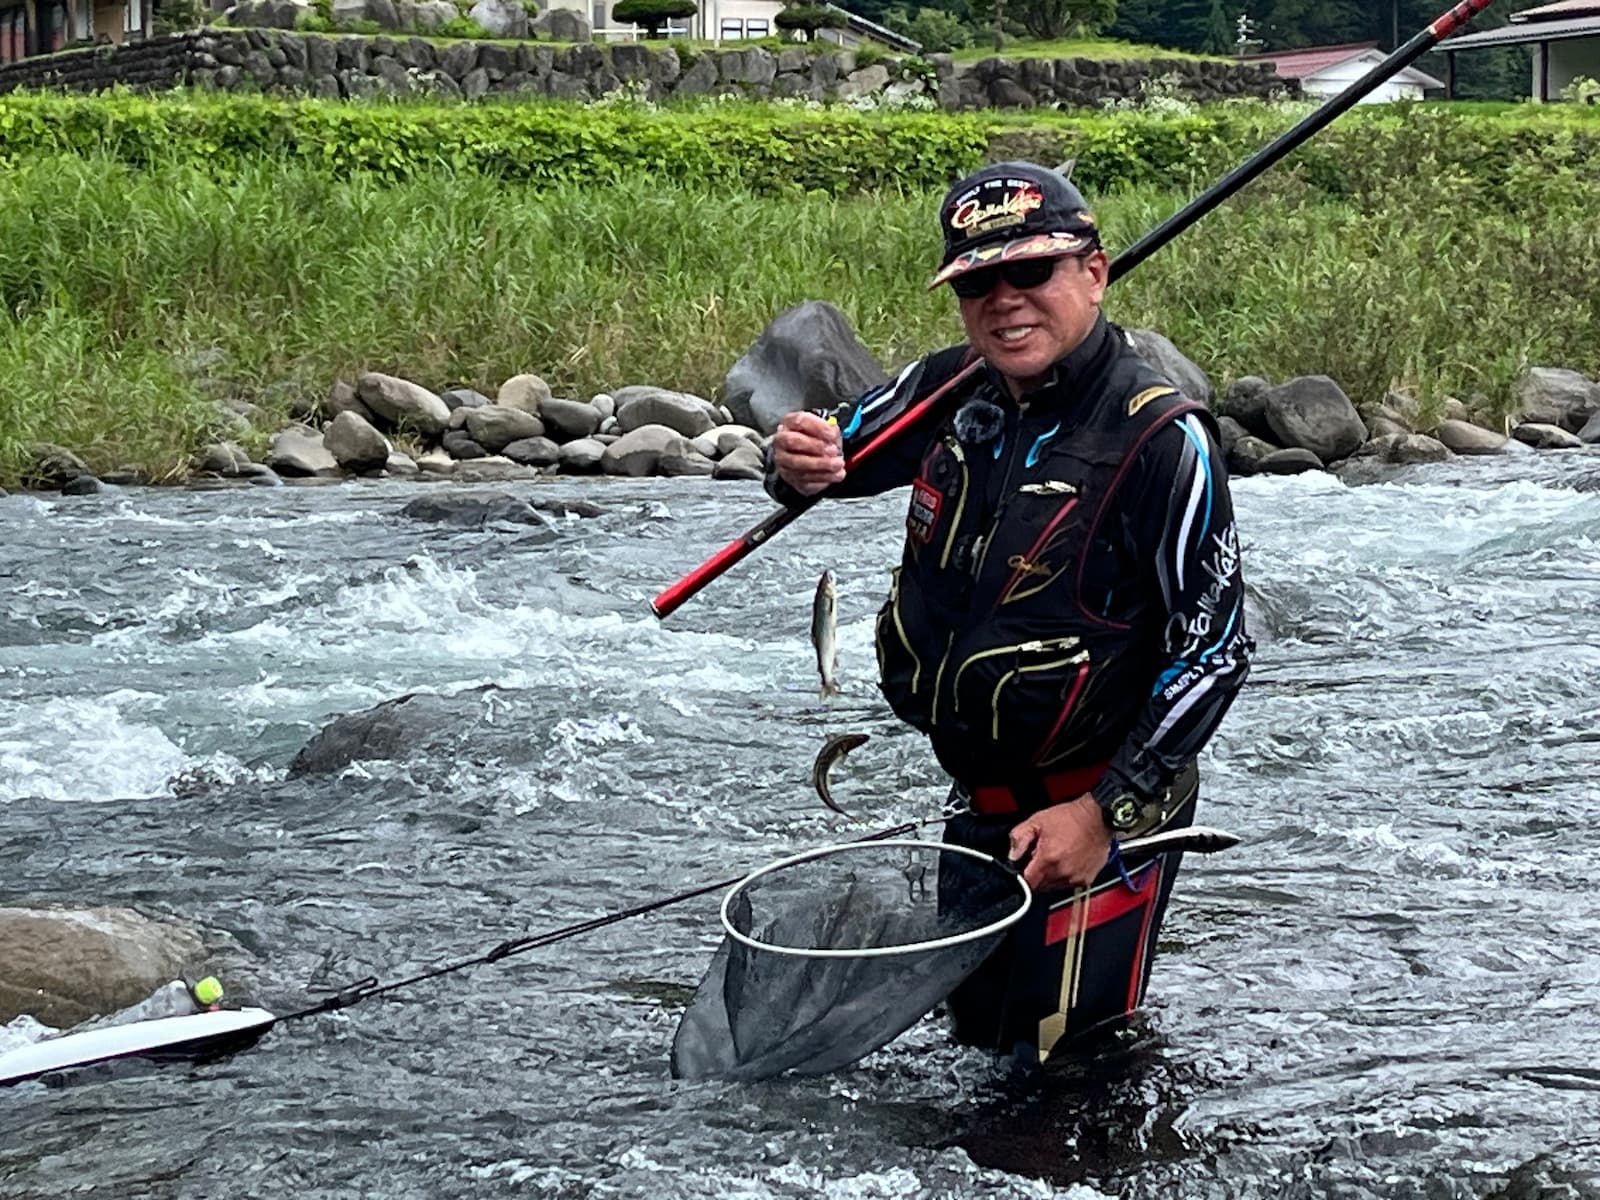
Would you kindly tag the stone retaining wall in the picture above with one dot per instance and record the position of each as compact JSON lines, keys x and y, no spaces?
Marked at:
{"x":357,"y":66}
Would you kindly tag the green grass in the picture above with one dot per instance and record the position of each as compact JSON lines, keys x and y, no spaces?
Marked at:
{"x":1103,"y":48}
{"x":136,"y":298}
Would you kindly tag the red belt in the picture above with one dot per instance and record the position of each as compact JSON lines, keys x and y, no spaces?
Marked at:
{"x":1037,"y":793}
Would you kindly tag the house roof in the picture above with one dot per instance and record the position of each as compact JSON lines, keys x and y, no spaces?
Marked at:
{"x":1561,"y":10}
{"x":877,"y":32}
{"x":1314,"y":60}
{"x":1524,"y":32}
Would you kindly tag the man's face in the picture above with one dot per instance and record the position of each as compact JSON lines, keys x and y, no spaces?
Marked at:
{"x":1023,"y":331}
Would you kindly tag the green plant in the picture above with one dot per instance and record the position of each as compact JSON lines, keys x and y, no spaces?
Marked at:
{"x":869,"y":54}
{"x":1582,"y":90}
{"x":461,"y":27}
{"x":179,"y":16}
{"x":652,"y":14}
{"x":808,"y":18}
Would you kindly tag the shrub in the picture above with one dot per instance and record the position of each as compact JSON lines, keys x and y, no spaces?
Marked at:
{"x":653,"y":14}
{"x":808,"y":18}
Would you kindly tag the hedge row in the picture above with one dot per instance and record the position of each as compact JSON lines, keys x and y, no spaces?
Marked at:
{"x":771,"y":148}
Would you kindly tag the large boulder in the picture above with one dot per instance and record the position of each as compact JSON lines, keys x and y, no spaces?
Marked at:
{"x":495,"y":427}
{"x":267,"y":14}
{"x":1157,"y":350}
{"x":1246,"y":402}
{"x":681,"y":412}
{"x":636,"y":453}
{"x":1312,"y":412}
{"x":349,"y":14}
{"x":1463,"y":437}
{"x":355,"y":444}
{"x":1546,"y":437}
{"x":299,"y":451}
{"x":501,"y":18}
{"x":808,"y":357}
{"x":66,"y":965}
{"x":1556,"y":396}
{"x":1405,"y":447}
{"x":563,"y":25}
{"x":403,"y":404}
{"x":569,"y":419}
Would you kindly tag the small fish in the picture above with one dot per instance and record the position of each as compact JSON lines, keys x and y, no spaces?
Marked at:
{"x":825,"y":633}
{"x":835,"y":748}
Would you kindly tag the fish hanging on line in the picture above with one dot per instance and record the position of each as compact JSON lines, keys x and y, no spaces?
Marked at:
{"x":825,"y":633}
{"x":835,"y":748}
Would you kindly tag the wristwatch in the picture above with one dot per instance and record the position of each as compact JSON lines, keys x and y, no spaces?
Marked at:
{"x":1122,"y":810}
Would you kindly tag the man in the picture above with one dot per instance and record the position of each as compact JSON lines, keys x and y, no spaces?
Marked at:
{"x":1067,"y":622}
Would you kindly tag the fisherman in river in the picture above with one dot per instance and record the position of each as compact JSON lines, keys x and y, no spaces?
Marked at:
{"x":1067,"y":620}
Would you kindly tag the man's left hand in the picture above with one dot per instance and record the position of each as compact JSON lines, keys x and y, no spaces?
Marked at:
{"x":1070,"y":843}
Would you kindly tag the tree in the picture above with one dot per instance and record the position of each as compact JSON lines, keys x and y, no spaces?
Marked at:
{"x":808,"y":18}
{"x":652,"y":14}
{"x":1047,"y":18}
{"x":1219,"y":37}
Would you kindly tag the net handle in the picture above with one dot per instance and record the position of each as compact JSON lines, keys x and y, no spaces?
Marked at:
{"x":944,"y":943}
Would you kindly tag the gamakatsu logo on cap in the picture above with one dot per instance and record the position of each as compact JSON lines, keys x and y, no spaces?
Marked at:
{"x":973,"y":216}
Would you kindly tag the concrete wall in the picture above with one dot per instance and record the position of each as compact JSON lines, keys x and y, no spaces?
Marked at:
{"x":354,"y":66}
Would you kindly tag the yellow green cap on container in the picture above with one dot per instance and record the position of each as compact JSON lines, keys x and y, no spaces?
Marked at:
{"x":208,"y":990}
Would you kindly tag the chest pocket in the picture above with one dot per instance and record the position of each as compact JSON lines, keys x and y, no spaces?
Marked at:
{"x":938,"y":500}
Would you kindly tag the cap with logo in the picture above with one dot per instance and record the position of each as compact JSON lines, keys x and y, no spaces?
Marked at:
{"x":1010,"y":211}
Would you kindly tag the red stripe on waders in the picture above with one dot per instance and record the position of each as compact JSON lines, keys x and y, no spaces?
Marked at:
{"x":1116,"y":900}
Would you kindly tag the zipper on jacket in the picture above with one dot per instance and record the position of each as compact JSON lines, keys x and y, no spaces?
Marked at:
{"x":961,"y":501}
{"x":900,"y":631}
{"x":1033,"y":647}
{"x":938,"y":677}
{"x":994,"y":700}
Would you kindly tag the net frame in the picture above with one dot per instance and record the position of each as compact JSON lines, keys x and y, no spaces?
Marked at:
{"x":924,"y":947}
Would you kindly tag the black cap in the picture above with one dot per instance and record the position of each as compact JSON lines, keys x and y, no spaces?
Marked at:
{"x":1008,"y":211}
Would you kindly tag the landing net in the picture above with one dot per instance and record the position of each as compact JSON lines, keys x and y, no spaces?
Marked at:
{"x":833,"y":953}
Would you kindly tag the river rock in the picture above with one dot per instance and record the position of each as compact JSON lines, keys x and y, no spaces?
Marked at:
{"x":82,"y":485}
{"x":414,"y":726}
{"x":355,"y":444}
{"x":403,"y":404}
{"x":463,"y":397}
{"x":1556,"y":396}
{"x":527,"y":392}
{"x":1293,"y":460}
{"x":569,"y":419}
{"x":637,"y":452}
{"x":679,"y":457}
{"x":1546,"y":437}
{"x":681,"y":412}
{"x":533,"y":452}
{"x":299,"y":451}
{"x":458,"y":444}
{"x":1312,"y":412}
{"x":221,"y":458}
{"x":581,"y":457}
{"x":400,"y":465}
{"x":50,"y":466}
{"x":1247,"y":454}
{"x":494,"y":427}
{"x":604,"y":403}
{"x":1405,"y":448}
{"x":65,"y":965}
{"x":1246,"y":402}
{"x":808,"y":357}
{"x":467,"y":511}
{"x":1462,"y":437}
{"x":743,"y":462}
{"x":1590,"y":433}
{"x":342,"y":397}
{"x":1158,"y":350}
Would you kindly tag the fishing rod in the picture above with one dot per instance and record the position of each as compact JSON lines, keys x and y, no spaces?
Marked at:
{"x":206,"y":1035}
{"x":932,"y":405}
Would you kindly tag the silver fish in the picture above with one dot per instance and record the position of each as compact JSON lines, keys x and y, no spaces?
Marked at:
{"x":825,"y":633}
{"x":835,"y":748}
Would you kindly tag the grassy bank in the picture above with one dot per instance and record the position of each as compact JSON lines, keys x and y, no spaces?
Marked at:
{"x":137,"y":297}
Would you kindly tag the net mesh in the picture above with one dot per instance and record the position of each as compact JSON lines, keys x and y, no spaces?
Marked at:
{"x":840,"y":954}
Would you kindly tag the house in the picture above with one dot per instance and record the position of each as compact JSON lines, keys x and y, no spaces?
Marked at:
{"x":39,"y":26}
{"x":1329,"y":70}
{"x":1564,"y":37}
{"x":740,"y":20}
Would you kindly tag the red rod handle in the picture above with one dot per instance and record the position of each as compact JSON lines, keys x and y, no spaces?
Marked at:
{"x":672,"y":598}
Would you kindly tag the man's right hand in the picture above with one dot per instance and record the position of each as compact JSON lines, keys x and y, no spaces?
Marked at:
{"x":808,"y":452}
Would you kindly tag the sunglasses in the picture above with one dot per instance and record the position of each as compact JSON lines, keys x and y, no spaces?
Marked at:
{"x":1023,"y":274}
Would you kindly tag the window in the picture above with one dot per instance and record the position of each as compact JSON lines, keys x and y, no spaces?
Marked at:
{"x":756,"y":27}
{"x":133,"y":16}
{"x":13,"y":34}
{"x":731,"y":27}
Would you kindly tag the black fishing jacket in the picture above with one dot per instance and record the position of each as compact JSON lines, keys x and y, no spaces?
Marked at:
{"x":1029,"y":628}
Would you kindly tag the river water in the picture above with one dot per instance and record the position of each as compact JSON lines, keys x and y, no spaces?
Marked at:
{"x":1388,"y":990}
